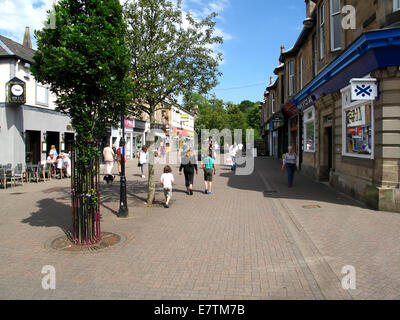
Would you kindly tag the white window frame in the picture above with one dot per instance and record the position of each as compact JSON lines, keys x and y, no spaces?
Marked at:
{"x":333,"y":14}
{"x":346,"y":105}
{"x":273,"y":102}
{"x":40,"y":103}
{"x":312,"y":108}
{"x":396,"y":5}
{"x":291,"y":78}
{"x":301,"y":71}
{"x":321,"y":12}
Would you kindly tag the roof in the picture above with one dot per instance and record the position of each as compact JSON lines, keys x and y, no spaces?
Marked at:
{"x":10,"y":48}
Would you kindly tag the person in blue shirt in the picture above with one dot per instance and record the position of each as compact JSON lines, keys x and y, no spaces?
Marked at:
{"x":209,"y":170}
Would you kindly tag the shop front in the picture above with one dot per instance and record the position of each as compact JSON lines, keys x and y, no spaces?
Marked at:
{"x":352,"y":130}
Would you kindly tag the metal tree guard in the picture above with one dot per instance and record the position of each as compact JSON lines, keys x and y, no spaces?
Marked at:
{"x":85,"y":195}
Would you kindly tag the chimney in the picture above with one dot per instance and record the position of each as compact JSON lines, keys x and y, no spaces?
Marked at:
{"x":271,"y":80}
{"x":310,"y":6}
{"x":282,"y":49}
{"x":27,"y":38}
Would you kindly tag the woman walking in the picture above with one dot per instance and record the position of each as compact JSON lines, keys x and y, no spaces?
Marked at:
{"x":143,"y":159}
{"x":189,"y":165}
{"x":108,"y":155}
{"x":290,"y":162}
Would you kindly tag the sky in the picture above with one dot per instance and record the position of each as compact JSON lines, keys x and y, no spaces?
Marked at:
{"x":253,"y":32}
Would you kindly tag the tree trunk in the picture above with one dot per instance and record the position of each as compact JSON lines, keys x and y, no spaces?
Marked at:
{"x":85,"y":194}
{"x":151,"y":182}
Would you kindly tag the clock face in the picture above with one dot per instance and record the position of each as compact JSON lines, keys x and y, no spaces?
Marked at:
{"x":17,"y":90}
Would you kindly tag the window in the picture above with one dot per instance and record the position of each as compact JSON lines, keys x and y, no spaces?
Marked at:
{"x":301,"y":71}
{"x":322,"y":31}
{"x":283,"y":89}
{"x":396,"y":5}
{"x":273,"y":102}
{"x":336,"y":25}
{"x":315,"y":55}
{"x":42,"y":95}
{"x":291,"y":78}
{"x":358,"y":128}
{"x":309,"y":130}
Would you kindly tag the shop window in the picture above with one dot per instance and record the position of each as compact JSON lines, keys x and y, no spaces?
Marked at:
{"x":336,"y":25}
{"x":358,"y":130}
{"x":396,"y":5}
{"x":309,"y":130}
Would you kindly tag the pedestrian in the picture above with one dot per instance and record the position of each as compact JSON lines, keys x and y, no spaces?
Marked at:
{"x":290,"y":163}
{"x":189,"y":166}
{"x":60,"y":164}
{"x":167,"y":180}
{"x":119,"y":157}
{"x":233,"y":149}
{"x":209,"y":170}
{"x":53,"y":150}
{"x":143,"y":155}
{"x":108,"y":155}
{"x":67,"y":164}
{"x":51,"y":160}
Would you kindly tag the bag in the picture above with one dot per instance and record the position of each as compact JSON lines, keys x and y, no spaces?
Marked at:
{"x":139,"y":164}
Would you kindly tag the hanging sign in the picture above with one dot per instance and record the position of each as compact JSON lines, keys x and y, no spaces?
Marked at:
{"x":184,"y":117}
{"x":363,"y":89}
{"x":16,"y":91}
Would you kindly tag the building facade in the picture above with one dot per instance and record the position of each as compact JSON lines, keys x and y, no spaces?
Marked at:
{"x":343,"y":78}
{"x":29,"y":124}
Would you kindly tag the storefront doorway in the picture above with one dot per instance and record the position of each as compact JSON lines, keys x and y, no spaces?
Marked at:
{"x":69,"y":141}
{"x":328,"y":154}
{"x":52,"y":138}
{"x":32,"y":147}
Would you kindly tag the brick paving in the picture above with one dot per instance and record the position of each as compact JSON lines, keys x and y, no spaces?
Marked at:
{"x":233,"y":244}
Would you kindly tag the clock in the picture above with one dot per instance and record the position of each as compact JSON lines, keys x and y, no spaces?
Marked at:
{"x":17,"y":90}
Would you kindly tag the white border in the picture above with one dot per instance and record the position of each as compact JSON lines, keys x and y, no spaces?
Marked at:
{"x":344,"y":126}
{"x":312,"y":108}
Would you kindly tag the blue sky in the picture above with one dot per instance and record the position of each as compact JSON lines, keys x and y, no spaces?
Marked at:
{"x":253,"y":31}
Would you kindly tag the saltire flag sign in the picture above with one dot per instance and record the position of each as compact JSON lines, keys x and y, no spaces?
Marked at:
{"x":363,"y":89}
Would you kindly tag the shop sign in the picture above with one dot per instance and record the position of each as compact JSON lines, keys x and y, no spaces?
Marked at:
{"x":307,"y":102}
{"x":129,"y":123}
{"x":16,"y":91}
{"x":184,"y":118}
{"x":363,"y":89}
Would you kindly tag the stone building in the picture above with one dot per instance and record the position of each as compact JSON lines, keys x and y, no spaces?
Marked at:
{"x":347,"y":93}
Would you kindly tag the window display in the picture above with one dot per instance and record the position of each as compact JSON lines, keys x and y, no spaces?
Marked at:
{"x":309,"y":130}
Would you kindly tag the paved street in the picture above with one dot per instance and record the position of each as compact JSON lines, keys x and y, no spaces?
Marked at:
{"x":238,"y":243}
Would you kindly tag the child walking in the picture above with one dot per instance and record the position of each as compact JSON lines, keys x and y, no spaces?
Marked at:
{"x":167,"y":180}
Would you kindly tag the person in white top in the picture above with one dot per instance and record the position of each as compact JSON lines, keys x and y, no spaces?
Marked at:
{"x":167,"y":180}
{"x":67,"y":164}
{"x":108,"y":154}
{"x":232,"y":152}
{"x":143,"y":159}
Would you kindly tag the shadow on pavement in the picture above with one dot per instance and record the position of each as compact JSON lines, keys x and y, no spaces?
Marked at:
{"x":304,"y":188}
{"x":51,"y":214}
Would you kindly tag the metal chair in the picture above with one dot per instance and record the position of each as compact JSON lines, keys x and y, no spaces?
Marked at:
{"x":19,"y":173}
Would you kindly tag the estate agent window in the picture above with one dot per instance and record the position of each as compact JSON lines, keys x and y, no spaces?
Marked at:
{"x":358,"y":130}
{"x":309,"y":130}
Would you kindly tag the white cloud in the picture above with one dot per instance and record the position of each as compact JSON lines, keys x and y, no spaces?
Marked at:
{"x":18,"y":14}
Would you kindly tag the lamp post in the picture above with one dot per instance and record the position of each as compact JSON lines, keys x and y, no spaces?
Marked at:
{"x":123,"y":207}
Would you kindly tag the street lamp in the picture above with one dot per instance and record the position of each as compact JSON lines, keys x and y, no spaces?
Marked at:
{"x":123,"y":207}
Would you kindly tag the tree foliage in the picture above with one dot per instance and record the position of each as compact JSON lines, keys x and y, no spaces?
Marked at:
{"x":85,"y":62}
{"x":172,"y":54}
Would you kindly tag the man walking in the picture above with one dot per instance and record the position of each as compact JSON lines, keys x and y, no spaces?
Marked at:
{"x":108,"y":155}
{"x":209,"y":170}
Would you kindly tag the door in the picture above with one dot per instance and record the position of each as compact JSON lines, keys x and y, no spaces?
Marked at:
{"x":69,"y":141}
{"x":32,"y":147}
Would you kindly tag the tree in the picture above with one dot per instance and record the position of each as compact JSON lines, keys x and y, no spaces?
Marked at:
{"x":245,"y":105}
{"x":85,"y":61}
{"x":171,"y":55}
{"x":237,"y":120}
{"x":253,"y":119}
